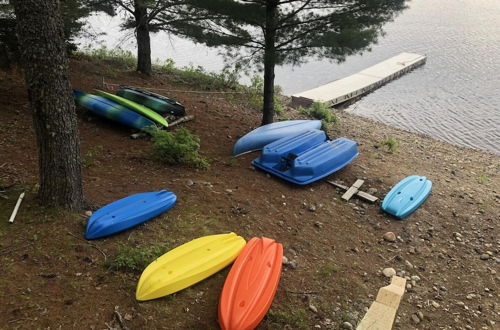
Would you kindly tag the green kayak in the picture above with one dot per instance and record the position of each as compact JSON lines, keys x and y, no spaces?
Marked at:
{"x":134,"y":106}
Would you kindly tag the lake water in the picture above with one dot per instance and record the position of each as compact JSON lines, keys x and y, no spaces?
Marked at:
{"x":454,"y":97}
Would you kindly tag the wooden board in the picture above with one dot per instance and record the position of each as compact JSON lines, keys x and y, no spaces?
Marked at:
{"x":362,"y":194}
{"x":353,"y":189}
{"x":382,"y":312}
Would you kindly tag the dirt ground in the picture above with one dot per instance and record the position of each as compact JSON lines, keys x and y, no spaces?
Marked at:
{"x":448,"y":249}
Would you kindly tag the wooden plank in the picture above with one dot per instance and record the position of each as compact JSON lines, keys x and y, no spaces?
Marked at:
{"x":354,"y":189}
{"x":361,"y":194}
{"x":382,"y":312}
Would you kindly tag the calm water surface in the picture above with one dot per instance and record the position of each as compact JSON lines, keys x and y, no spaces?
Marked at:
{"x":454,"y":97}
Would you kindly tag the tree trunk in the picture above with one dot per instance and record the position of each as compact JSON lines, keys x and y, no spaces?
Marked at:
{"x":143,"y":40}
{"x":43,"y":55}
{"x":269,"y":62}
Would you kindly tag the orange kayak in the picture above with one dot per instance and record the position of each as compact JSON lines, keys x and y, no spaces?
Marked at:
{"x":250,"y":285}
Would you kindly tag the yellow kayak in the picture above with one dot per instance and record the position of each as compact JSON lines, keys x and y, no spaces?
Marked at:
{"x":188,"y":264}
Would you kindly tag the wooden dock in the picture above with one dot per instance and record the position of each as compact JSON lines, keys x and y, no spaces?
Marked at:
{"x":360,"y":83}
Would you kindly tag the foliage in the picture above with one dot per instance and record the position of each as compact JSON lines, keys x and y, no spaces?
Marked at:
{"x":320,"y":111}
{"x":287,"y":31}
{"x":391,"y":144}
{"x":180,"y":147}
{"x":73,"y":13}
{"x":256,"y":98}
{"x":199,"y":77}
{"x":117,"y":56}
{"x":135,"y":259}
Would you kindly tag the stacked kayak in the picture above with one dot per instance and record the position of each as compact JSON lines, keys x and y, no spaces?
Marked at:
{"x":306,"y":157}
{"x":259,"y":137}
{"x":159,"y":103}
{"x":106,"y":108}
{"x":139,"y":108}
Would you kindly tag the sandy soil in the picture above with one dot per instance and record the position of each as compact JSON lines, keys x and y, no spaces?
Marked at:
{"x":448,"y":249}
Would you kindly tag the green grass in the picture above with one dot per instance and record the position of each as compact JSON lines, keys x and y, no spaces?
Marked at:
{"x":483,"y":178}
{"x":328,"y":270}
{"x":294,"y":319}
{"x":256,"y":98}
{"x":391,"y":144}
{"x":135,"y":259}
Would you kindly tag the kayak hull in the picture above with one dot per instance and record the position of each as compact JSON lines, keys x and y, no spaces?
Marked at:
{"x":306,"y":157}
{"x":251,"y":284}
{"x":128,"y":212}
{"x":139,"y":108}
{"x":261,"y":136}
{"x":159,"y":103}
{"x":406,"y":196}
{"x":188,"y":264}
{"x":111,"y":110}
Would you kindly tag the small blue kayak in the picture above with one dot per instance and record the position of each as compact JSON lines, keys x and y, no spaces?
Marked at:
{"x":103,"y":107}
{"x":306,"y":157}
{"x":128,"y":212}
{"x":407,"y":196}
{"x":259,"y":137}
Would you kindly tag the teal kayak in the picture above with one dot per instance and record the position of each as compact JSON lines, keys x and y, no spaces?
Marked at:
{"x":159,"y":103}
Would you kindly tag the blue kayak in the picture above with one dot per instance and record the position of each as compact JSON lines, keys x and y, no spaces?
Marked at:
{"x":306,"y":157}
{"x":407,"y":196}
{"x":128,"y":212}
{"x":103,"y":107}
{"x":259,"y":137}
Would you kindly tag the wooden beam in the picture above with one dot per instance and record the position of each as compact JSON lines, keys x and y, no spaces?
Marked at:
{"x":382,"y":312}
{"x":361,"y":194}
{"x":353,"y":189}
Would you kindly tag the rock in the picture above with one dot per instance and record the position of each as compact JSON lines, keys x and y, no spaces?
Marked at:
{"x":420,"y":315}
{"x":389,"y":272}
{"x":389,"y":237}
{"x":435,"y":304}
{"x":127,"y":317}
{"x":372,"y":191}
{"x":347,"y":325}
{"x":318,"y":224}
{"x":415,"y":278}
{"x":484,"y":256}
{"x":415,"y":318}
{"x":229,"y":191}
{"x":408,"y":264}
{"x":285,"y":260}
{"x":189,"y":182}
{"x":313,"y":308}
{"x":88,"y":213}
{"x":312,"y":208}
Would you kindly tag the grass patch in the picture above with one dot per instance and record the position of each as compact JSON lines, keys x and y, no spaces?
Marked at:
{"x":391,"y":144}
{"x":483,"y":178}
{"x":295,"y":319}
{"x":135,"y":259}
{"x":320,"y":111}
{"x":180,"y":147}
{"x":199,"y":77}
{"x":328,"y":270}
{"x":88,"y":157}
{"x":116,"y":56}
